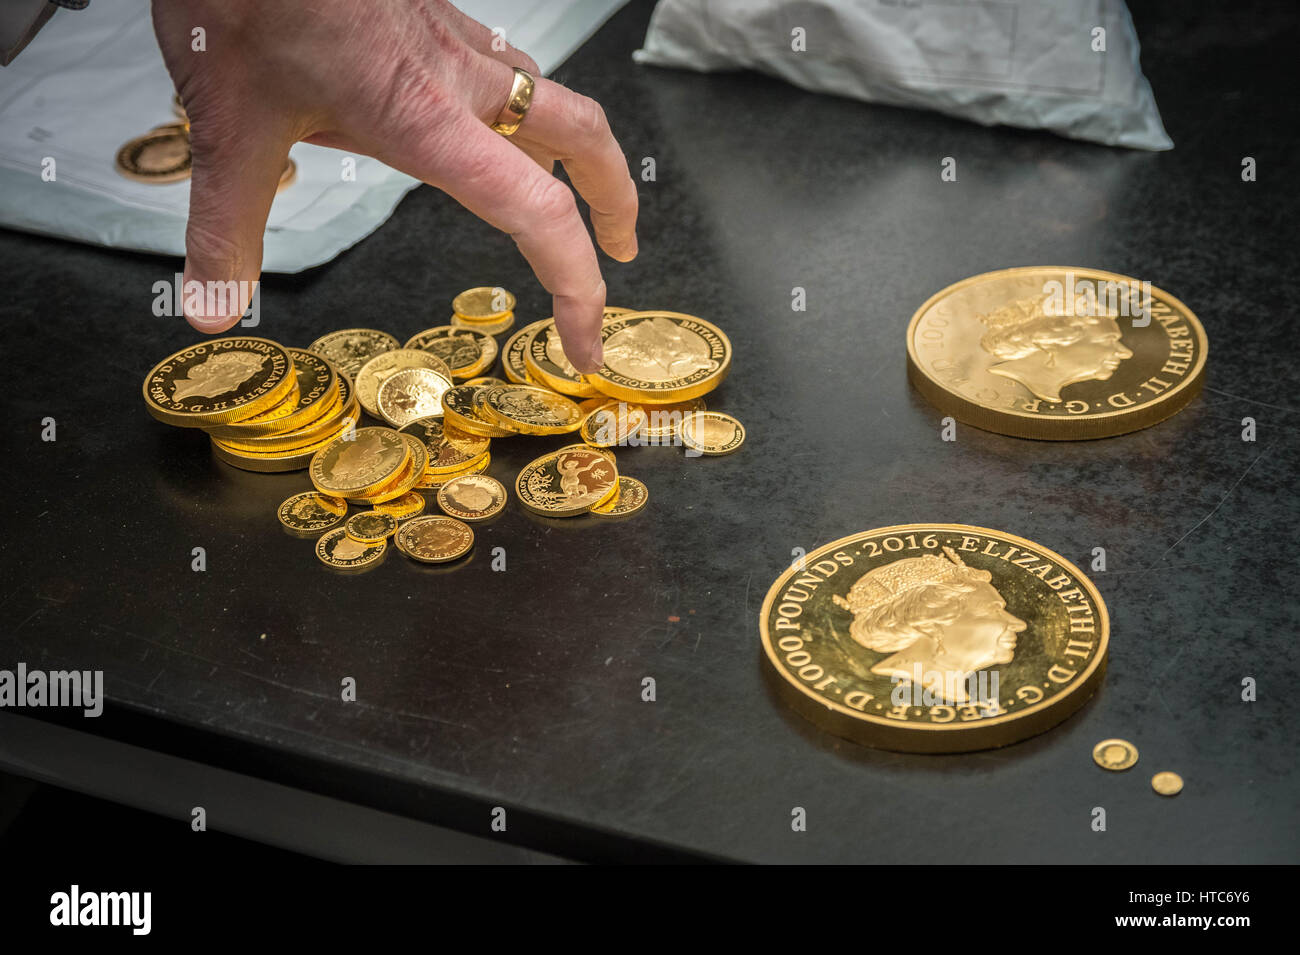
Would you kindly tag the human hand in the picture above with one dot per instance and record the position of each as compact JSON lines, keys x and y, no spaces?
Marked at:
{"x":413,"y":83}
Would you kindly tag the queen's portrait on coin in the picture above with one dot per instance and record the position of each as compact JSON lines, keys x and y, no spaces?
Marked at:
{"x":217,"y":375}
{"x":1047,"y":352}
{"x":933,"y":616}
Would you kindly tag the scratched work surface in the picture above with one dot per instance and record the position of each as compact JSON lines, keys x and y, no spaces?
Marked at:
{"x":523,"y":689}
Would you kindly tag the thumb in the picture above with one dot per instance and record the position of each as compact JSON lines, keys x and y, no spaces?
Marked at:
{"x":232,"y":184}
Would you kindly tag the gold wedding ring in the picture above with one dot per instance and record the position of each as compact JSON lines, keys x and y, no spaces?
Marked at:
{"x":516,"y":108}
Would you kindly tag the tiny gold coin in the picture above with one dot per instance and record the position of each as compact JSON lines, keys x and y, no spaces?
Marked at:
{"x":375,"y":371}
{"x":316,"y":389}
{"x":484,"y":303}
{"x":631,"y":497}
{"x":218,"y":381}
{"x":613,"y":424}
{"x":459,"y":411}
{"x":664,"y":422}
{"x":1115,"y":754}
{"x":567,"y":482}
{"x":934,"y":638}
{"x":361,"y":465}
{"x":434,"y":540}
{"x":432,"y":480}
{"x":311,"y":513}
{"x":370,"y":527}
{"x":337,"y":550}
{"x":528,"y":409}
{"x":159,"y":156}
{"x":1056,"y":353}
{"x":472,"y":497}
{"x":1167,"y":783}
{"x":350,"y":348}
{"x":448,"y":447}
{"x":712,"y":432}
{"x":660,"y":357}
{"x":409,"y":505}
{"x":467,"y":351}
{"x":410,"y":395}
{"x":498,"y":327}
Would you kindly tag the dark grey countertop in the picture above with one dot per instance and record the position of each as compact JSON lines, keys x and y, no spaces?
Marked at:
{"x":523,"y":689}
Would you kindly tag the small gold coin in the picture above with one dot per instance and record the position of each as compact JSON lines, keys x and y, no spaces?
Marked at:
{"x":1167,"y":783}
{"x":350,"y":348}
{"x":371,"y":527}
{"x":410,"y":395}
{"x":473,"y":497}
{"x":467,"y":351}
{"x":409,"y":505}
{"x":484,"y":303}
{"x":459,"y":411}
{"x":613,"y":424}
{"x":360,"y":465}
{"x":712,"y":432}
{"x":432,"y":481}
{"x":1115,"y":754}
{"x":434,"y":540}
{"x":631,"y":497}
{"x":448,"y":447}
{"x":528,"y":409}
{"x":310,"y":513}
{"x":218,"y":381}
{"x":665,"y":421}
{"x":159,"y":156}
{"x":498,"y":327}
{"x":337,"y":550}
{"x":567,"y":482}
{"x":386,"y":364}
{"x":660,"y":357}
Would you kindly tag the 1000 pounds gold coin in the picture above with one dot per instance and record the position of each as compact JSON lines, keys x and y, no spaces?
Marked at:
{"x":218,"y":381}
{"x":934,"y":638}
{"x":1056,"y":353}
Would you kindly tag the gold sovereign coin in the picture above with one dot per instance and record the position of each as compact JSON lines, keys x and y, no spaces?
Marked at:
{"x":370,"y":527}
{"x":1167,"y":783}
{"x":448,"y":447}
{"x":435,"y":540}
{"x":567,"y":482}
{"x":664,"y":422}
{"x":1056,"y":353}
{"x":712,"y":432}
{"x":316,"y":389}
{"x":473,"y":497}
{"x":631,"y":497}
{"x":467,"y":351}
{"x":613,"y":424}
{"x":361,"y":465}
{"x":310,"y":513}
{"x":409,"y":505}
{"x":337,"y":550}
{"x":218,"y":381}
{"x":934,"y":638}
{"x":1115,"y":754}
{"x":410,"y":395}
{"x":483,"y":304}
{"x":432,"y":481}
{"x":350,"y":348}
{"x":528,"y":409}
{"x":459,"y":410}
{"x":386,"y":364}
{"x":661,"y":357}
{"x":159,"y":156}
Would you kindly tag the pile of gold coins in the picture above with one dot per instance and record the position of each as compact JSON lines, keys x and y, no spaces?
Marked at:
{"x":269,"y":408}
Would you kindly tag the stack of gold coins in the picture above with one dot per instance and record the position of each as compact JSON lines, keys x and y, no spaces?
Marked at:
{"x":488,"y":309}
{"x":265,"y":407}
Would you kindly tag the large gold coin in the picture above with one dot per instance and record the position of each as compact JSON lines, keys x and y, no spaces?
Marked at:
{"x":528,"y":409}
{"x":1115,"y":754}
{"x":467,"y":352}
{"x":411,"y":395}
{"x":351,"y":348}
{"x":340,"y":552}
{"x":159,"y":156}
{"x":434,"y":540}
{"x":483,"y":304}
{"x":712,"y":432}
{"x":218,"y":381}
{"x":472,"y":497}
{"x":661,"y":357}
{"x":631,"y":497}
{"x":316,"y":390}
{"x":311,"y":513}
{"x":1167,"y":783}
{"x":448,"y":447}
{"x":935,"y":638}
{"x":459,"y":410}
{"x":567,"y":482}
{"x":358,"y":465}
{"x":546,"y":363}
{"x":386,"y":364}
{"x":343,"y":411}
{"x":1056,"y":353}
